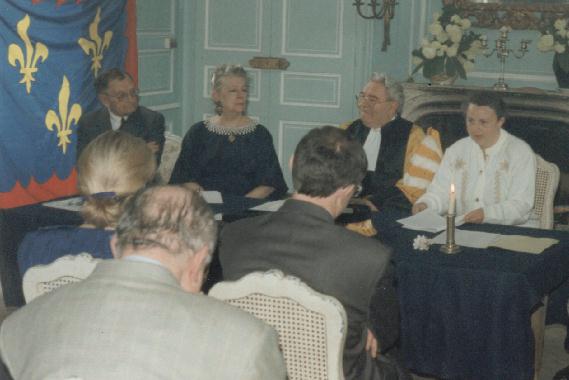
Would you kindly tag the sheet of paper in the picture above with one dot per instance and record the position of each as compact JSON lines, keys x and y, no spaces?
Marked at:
{"x":428,"y":220}
{"x":473,"y":239}
{"x":70,"y":204}
{"x":212,"y":196}
{"x":218,"y":216}
{"x":269,"y":206}
{"x":527,"y":244}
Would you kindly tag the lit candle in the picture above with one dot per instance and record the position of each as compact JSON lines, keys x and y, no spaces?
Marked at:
{"x":452,"y":200}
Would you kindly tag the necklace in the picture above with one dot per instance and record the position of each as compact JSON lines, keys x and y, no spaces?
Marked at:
{"x":230,"y":132}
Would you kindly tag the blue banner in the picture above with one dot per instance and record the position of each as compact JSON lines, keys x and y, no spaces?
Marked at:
{"x":51,"y":53}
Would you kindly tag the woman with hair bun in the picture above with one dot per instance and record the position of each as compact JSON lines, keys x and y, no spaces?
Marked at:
{"x":230,"y":152}
{"x":110,"y":169}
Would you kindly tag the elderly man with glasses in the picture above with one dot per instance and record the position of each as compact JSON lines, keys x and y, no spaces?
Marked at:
{"x":389,"y":141}
{"x":118,"y":94}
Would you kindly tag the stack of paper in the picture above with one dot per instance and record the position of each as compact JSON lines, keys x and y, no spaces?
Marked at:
{"x":429,"y":221}
{"x":474,"y":239}
{"x":212,"y":196}
{"x":269,"y":206}
{"x":69,"y":204}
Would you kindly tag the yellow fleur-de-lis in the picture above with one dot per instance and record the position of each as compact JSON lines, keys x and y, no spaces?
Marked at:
{"x":96,"y":45}
{"x":28,"y":61}
{"x":63,"y":122}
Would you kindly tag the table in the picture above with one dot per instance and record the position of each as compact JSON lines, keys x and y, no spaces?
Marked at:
{"x":16,"y":222}
{"x":468,"y":315}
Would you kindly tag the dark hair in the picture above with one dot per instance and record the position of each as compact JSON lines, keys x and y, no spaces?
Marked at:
{"x":487,"y":99}
{"x":325,"y":160}
{"x":103,"y":80}
{"x":170,"y":217}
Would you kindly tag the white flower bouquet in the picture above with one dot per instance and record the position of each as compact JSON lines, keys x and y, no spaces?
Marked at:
{"x":451,"y":49}
{"x":555,"y":37}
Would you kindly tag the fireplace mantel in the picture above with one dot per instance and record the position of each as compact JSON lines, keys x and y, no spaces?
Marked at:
{"x":539,"y":117}
{"x":423,"y":99}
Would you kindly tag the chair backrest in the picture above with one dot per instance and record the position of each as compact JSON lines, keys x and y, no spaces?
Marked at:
{"x":172,"y":147}
{"x":311,"y":326}
{"x":546,"y":182}
{"x":41,"y":279}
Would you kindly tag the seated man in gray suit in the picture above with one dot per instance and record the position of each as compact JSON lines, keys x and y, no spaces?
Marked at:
{"x":141,"y":316}
{"x":119,"y":96}
{"x":301,"y":239}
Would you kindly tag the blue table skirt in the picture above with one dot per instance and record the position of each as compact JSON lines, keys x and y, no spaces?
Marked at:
{"x":467,"y":315}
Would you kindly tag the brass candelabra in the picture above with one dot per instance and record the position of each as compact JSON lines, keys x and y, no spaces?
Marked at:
{"x":502,"y":52}
{"x":385,"y":11}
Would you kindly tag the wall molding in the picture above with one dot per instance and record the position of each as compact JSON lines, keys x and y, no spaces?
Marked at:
{"x":337,"y":90}
{"x":258,"y":35}
{"x":316,"y":54}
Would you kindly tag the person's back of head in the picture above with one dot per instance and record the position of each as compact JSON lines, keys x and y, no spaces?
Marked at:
{"x":325,"y":160}
{"x":171,"y":224}
{"x":112,"y":167}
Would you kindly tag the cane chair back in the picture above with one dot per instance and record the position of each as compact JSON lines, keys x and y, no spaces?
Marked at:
{"x":311,"y":326}
{"x":546,"y":182}
{"x":42,"y":279}
{"x":172,"y":147}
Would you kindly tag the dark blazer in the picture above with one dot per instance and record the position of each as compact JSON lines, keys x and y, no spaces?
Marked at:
{"x":301,"y":239}
{"x":379,"y":186}
{"x":143,"y":123}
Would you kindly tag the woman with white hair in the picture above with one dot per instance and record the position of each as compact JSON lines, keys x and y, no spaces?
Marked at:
{"x":230,"y":152}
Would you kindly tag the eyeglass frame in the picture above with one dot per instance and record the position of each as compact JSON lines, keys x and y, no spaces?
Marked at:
{"x":122,"y":96}
{"x":373,"y":101}
{"x":357,"y":191}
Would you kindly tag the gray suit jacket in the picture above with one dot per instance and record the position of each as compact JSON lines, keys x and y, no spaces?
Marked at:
{"x":301,"y":239}
{"x":131,"y":320}
{"x":143,"y":123}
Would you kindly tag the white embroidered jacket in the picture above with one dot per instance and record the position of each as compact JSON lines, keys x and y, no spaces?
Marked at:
{"x":503,"y":184}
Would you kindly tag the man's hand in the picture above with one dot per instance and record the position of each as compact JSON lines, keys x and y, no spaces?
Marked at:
{"x":476,"y":216}
{"x":193,"y":186}
{"x":371,"y":344}
{"x":154,"y":146}
{"x":371,"y":206}
{"x":418,"y":207}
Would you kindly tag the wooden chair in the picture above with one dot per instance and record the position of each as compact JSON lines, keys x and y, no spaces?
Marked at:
{"x":311,"y":326}
{"x":172,"y":147}
{"x":546,"y":182}
{"x":42,"y":279}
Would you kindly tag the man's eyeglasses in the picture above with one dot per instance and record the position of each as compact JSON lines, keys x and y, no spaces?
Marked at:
{"x":121,"y":96}
{"x":370,"y":99}
{"x":357,"y":191}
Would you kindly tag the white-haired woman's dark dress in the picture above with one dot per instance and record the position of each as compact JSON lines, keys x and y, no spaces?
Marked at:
{"x":229,"y":160}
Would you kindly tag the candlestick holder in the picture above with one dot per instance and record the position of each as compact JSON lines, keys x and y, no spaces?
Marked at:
{"x":502,"y":52}
{"x":450,"y":246}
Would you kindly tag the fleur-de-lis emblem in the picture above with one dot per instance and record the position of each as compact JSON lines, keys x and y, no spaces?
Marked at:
{"x":96,"y":45}
{"x":63,"y":122}
{"x":28,"y":61}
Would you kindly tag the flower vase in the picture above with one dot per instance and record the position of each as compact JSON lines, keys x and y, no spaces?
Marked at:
{"x":443,"y":79}
{"x":561,"y":75}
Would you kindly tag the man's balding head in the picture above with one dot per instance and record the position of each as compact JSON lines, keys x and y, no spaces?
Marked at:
{"x":168,"y":217}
